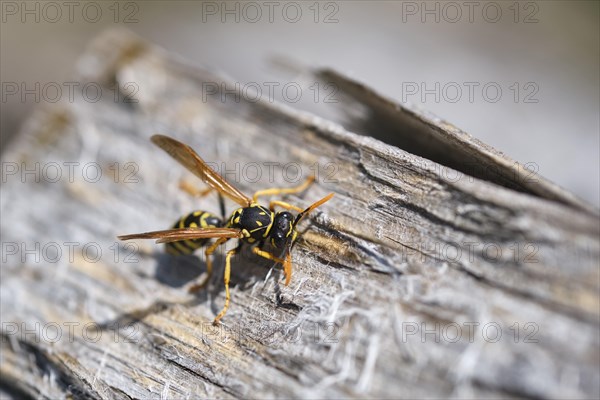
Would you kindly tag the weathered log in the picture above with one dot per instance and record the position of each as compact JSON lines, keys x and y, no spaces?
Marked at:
{"x":440,"y":268}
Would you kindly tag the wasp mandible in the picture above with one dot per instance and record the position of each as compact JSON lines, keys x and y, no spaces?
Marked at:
{"x":252,"y":223}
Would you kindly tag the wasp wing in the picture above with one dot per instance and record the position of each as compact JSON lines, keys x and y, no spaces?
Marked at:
{"x":175,"y":235}
{"x":187,"y":157}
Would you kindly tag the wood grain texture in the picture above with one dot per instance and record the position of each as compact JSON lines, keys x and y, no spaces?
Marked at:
{"x":416,"y":280}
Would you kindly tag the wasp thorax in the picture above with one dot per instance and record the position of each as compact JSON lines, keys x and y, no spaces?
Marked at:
{"x":253,"y":221}
{"x":282,"y":230}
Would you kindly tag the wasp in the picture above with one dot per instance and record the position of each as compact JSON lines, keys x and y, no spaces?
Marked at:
{"x":252,"y":224}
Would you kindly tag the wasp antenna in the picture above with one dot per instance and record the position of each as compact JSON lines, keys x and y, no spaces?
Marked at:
{"x":312,"y":207}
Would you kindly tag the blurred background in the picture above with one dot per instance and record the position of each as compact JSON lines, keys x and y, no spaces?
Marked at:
{"x":523,"y":77}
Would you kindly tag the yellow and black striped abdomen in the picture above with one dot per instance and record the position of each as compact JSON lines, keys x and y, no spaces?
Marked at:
{"x":196,"y":219}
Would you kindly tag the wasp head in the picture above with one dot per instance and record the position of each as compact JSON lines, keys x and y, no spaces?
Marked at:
{"x":283,"y":230}
{"x":283,"y":234}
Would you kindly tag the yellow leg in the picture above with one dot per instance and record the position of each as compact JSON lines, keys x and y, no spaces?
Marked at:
{"x":267,"y":255}
{"x":287,"y":268}
{"x":278,"y":191}
{"x":287,"y":263}
{"x":192,"y":190}
{"x":283,"y":204}
{"x":208,"y":252}
{"x":226,"y":275}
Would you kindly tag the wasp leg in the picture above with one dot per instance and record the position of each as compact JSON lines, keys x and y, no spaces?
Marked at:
{"x":267,"y":255}
{"x":278,"y":191}
{"x":192,"y":190}
{"x":226,"y":275}
{"x":195,"y":192}
{"x":287,"y":268}
{"x":283,"y":204}
{"x":208,"y":252}
{"x":222,"y":206}
{"x":287,"y":263}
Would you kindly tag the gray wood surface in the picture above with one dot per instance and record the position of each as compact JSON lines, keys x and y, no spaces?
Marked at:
{"x":418,"y":279}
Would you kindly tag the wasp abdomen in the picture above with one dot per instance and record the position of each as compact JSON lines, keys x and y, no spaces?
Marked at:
{"x":196,"y":219}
